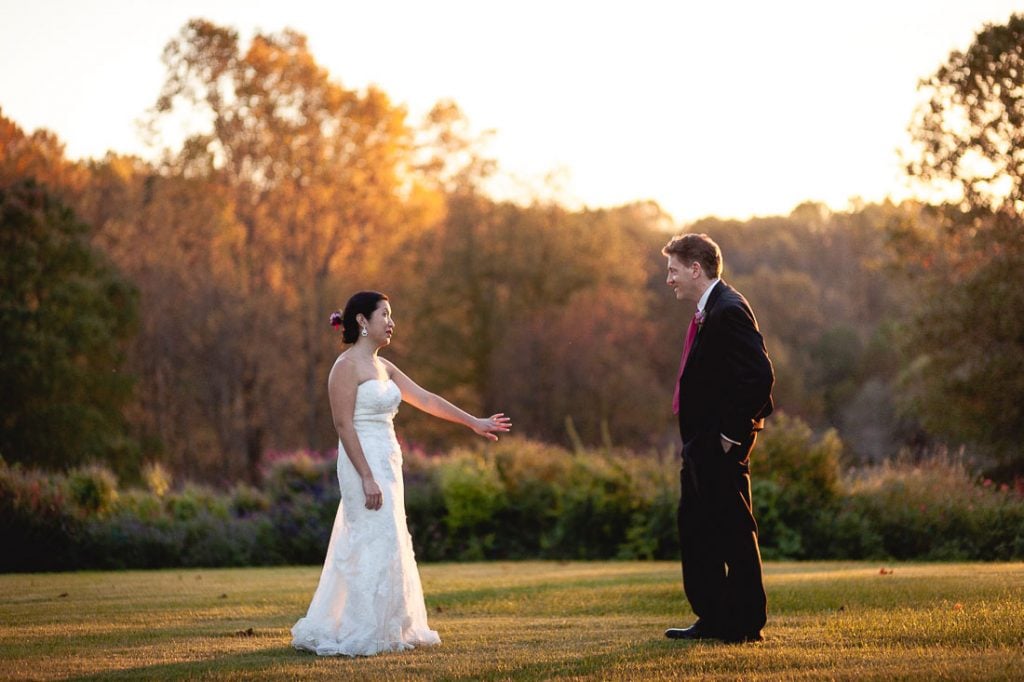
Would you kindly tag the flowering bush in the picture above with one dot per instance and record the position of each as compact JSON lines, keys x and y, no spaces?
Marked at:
{"x":36,"y":521}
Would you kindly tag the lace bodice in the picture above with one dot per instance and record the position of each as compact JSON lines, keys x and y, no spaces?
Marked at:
{"x":377,"y":400}
{"x":377,"y":404}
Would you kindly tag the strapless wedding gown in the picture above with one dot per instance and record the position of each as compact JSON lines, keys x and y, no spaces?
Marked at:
{"x":369,"y":598}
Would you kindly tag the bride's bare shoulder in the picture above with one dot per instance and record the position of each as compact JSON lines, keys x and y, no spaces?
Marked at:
{"x":343,"y":370}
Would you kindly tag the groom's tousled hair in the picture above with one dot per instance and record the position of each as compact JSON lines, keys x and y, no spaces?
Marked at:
{"x":696,"y":248}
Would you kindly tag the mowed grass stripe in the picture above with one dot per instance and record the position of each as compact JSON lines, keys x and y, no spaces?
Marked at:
{"x":523,"y":620}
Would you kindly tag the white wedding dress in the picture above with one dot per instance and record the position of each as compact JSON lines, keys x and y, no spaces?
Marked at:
{"x":369,"y":599}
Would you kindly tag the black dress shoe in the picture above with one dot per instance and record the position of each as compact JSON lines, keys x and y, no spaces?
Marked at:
{"x":695,"y":631}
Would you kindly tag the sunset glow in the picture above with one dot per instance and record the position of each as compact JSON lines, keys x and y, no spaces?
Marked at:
{"x":733,"y":110}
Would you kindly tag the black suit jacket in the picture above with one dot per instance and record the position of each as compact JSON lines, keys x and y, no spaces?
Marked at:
{"x":726,"y":387}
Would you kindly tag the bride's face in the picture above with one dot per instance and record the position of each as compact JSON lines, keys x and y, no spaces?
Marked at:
{"x":380,"y":327}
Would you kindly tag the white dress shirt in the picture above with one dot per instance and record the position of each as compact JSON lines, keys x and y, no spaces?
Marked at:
{"x":706,"y":295}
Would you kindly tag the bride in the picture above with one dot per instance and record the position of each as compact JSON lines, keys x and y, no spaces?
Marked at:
{"x":369,"y":598}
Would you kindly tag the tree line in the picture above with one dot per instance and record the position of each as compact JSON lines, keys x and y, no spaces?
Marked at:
{"x":176,"y":310}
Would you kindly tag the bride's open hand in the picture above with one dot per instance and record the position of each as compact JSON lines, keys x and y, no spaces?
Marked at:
{"x":491,"y":426}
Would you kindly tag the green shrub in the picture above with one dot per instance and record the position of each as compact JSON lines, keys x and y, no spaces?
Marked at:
{"x":796,"y":487}
{"x":300,"y":475}
{"x":596,"y":509}
{"x":653,"y":530}
{"x":854,"y":535}
{"x":194,"y":500}
{"x":213,"y":540}
{"x":142,"y":504}
{"x":534,"y":476}
{"x":515,"y":499}
{"x":301,"y":527}
{"x":123,"y":540}
{"x":777,"y":539}
{"x":473,"y":495}
{"x":93,"y":489}
{"x":424,"y":507}
{"x":244,"y":500}
{"x":935,"y":510}
{"x":303,"y":496}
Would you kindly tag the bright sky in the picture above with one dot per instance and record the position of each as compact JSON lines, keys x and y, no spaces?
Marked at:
{"x":730,"y":108}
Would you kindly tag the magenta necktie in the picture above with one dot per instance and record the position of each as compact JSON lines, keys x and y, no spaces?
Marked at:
{"x":691,"y":334}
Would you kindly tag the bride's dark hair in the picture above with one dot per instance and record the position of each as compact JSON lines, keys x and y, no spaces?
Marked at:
{"x":363,"y":302}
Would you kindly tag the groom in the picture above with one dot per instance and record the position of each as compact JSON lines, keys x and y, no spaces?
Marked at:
{"x":722,"y":395}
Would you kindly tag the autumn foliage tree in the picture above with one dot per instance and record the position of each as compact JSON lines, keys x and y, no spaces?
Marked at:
{"x":543,"y":313}
{"x":38,"y":155}
{"x":967,"y":342}
{"x":291,"y":191}
{"x":311,"y":175}
{"x":171,"y":234}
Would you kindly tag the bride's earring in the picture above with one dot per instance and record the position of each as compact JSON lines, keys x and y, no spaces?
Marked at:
{"x":363,"y":332}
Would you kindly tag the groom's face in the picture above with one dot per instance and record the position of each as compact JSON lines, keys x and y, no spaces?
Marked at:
{"x":680,"y":277}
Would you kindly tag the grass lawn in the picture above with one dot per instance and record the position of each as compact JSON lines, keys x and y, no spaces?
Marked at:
{"x":529,"y":620}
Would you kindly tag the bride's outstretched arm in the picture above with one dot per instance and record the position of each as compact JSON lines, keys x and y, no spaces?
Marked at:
{"x":341,"y":388}
{"x":435,"y":405}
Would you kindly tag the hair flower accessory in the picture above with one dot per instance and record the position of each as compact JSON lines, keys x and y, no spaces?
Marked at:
{"x":336,"y":319}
